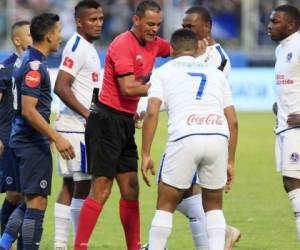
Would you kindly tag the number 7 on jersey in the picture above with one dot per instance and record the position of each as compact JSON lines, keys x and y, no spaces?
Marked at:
{"x":202,"y":83}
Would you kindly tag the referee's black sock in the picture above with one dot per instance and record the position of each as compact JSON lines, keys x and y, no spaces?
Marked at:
{"x":32,"y":228}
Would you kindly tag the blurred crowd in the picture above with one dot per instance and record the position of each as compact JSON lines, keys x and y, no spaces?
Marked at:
{"x":226,"y":14}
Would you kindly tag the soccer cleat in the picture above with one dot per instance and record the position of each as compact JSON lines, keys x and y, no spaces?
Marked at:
{"x":232,"y":236}
{"x":146,"y":247}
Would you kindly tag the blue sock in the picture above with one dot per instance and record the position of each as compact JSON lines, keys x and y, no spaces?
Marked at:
{"x":32,"y":228}
{"x":6,"y":211}
{"x":13,"y":227}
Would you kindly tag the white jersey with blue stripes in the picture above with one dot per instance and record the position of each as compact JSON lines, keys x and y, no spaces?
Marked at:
{"x":216,"y":57}
{"x":287,"y":73}
{"x":194,"y":96}
{"x":81,"y":60}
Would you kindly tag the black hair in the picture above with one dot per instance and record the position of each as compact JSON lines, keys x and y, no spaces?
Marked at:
{"x":184,"y":40}
{"x":202,"y":12}
{"x":41,"y":25}
{"x":86,"y":4}
{"x":291,"y":11}
{"x":147,"y":5}
{"x":17,"y":25}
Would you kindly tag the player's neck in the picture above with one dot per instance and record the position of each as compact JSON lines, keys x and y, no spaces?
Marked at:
{"x":137,"y":35}
{"x":88,"y":39}
{"x":42,"y":48}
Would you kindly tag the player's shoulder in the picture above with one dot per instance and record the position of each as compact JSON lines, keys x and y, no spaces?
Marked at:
{"x":125,"y":40}
{"x":76,"y":44}
{"x":9,"y":61}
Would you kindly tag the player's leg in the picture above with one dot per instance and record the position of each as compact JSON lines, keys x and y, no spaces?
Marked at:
{"x":191,"y":206}
{"x":288,"y":162}
{"x":161,"y":226}
{"x":62,"y":214}
{"x":212,"y":177}
{"x":35,"y":181}
{"x":82,"y":184}
{"x":177,"y":169}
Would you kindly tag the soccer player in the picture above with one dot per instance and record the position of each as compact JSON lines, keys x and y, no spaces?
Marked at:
{"x":21,"y":39}
{"x":31,"y":132}
{"x":111,"y":149}
{"x":284,"y":28}
{"x":197,"y":99}
{"x":78,"y":75}
{"x":199,"y":20}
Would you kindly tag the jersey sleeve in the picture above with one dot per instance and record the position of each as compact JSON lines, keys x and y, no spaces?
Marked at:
{"x":164,"y":48}
{"x":31,"y":82}
{"x":227,"y":94}
{"x":156,"y":88}
{"x":72,"y":60}
{"x":122,"y":58}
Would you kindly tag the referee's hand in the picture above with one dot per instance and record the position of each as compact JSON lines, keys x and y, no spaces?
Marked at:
{"x":147,"y":164}
{"x":65,"y":148}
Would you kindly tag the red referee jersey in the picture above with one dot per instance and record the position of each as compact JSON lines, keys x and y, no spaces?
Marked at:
{"x":126,"y":55}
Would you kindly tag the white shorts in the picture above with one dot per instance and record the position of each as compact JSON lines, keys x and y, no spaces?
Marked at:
{"x":205,"y":155}
{"x":287,"y":153}
{"x":77,"y":167}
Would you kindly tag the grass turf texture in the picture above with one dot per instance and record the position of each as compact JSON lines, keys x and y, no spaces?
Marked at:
{"x":257,"y":204}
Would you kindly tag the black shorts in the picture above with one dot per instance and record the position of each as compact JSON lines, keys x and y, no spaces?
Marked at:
{"x":35,"y":169}
{"x":9,"y":172}
{"x":110,"y":144}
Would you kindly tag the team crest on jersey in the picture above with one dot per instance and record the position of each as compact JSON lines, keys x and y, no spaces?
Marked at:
{"x":43,"y":184}
{"x":34,"y":65}
{"x":9,"y":180}
{"x":33,"y":79}
{"x":294,"y":158}
{"x":139,"y":59}
{"x":289,"y":57}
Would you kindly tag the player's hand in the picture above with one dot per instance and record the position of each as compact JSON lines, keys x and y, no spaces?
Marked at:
{"x":202,"y":45}
{"x":230,"y":177}
{"x":65,"y":148}
{"x":293,"y":119}
{"x":1,"y":148}
{"x":147,"y":164}
{"x":138,"y":119}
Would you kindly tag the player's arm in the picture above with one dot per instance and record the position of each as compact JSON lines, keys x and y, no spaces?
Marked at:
{"x":63,"y":89}
{"x":1,"y":96}
{"x":130,"y":87}
{"x":31,"y":114}
{"x":232,"y":121}
{"x":1,"y":148}
{"x":149,"y":128}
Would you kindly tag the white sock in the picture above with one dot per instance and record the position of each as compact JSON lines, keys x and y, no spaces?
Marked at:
{"x":197,"y":219}
{"x":181,"y":207}
{"x":216,"y":226}
{"x":62,"y":220}
{"x":294,"y":197}
{"x":161,"y":228}
{"x":76,"y":205}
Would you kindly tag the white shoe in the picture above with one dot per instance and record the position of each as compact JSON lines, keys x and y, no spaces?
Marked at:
{"x":232,"y":236}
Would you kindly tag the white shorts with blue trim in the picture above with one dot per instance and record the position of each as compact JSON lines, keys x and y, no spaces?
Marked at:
{"x":205,"y":155}
{"x":77,"y":167}
{"x":287,"y":153}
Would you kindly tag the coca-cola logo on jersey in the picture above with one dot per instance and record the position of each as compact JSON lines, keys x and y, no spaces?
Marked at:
{"x":211,"y":119}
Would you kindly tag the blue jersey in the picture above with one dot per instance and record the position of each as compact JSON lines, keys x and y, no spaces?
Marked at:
{"x":30,"y":78}
{"x":6,"y":104}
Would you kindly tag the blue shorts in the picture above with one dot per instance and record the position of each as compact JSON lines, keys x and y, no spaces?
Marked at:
{"x":35,"y":169}
{"x":9,"y":173}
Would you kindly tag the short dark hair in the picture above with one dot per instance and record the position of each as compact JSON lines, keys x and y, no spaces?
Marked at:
{"x":291,"y":11}
{"x":147,"y":5}
{"x":18,"y":24}
{"x":184,"y":40}
{"x":41,"y":25}
{"x":202,"y":12}
{"x":86,"y":4}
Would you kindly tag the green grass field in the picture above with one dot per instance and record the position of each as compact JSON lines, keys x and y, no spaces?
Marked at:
{"x":257,"y":204}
